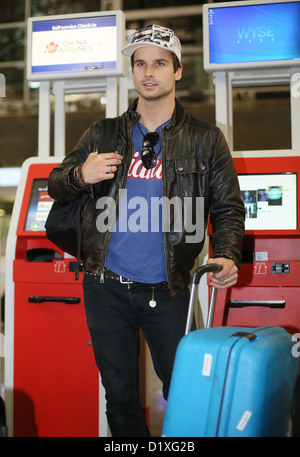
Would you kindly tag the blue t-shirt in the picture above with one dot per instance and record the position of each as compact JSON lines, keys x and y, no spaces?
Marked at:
{"x":136,"y":249}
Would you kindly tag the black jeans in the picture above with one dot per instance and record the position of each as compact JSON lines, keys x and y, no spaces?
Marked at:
{"x":115,"y":313}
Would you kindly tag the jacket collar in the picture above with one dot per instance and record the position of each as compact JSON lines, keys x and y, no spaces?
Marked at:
{"x":177,"y":118}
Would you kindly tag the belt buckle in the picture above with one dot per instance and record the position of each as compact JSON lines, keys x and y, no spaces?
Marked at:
{"x":125,"y":281}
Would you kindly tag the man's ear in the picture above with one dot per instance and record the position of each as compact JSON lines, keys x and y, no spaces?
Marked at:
{"x":178,"y":74}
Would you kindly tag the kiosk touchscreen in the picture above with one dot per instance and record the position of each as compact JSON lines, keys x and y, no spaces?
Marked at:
{"x":51,"y":379}
{"x":271,"y":194}
{"x":270,"y":201}
{"x":39,"y":206}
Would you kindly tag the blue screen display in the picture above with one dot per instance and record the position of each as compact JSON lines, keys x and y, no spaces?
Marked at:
{"x":254,"y":33}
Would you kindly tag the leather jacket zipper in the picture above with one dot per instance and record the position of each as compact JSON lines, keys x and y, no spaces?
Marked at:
{"x":122,"y":186}
{"x":165,"y":233}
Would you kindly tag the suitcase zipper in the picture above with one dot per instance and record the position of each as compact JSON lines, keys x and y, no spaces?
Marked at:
{"x":250,"y":336}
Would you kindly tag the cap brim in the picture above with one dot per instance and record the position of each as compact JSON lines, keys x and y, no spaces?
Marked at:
{"x":131,"y":48}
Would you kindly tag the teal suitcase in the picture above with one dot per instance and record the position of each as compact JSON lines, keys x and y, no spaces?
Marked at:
{"x":231,"y":382}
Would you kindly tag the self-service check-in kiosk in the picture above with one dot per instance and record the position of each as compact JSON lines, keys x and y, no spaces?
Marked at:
{"x":254,"y":44}
{"x":52,"y":386}
{"x":267,"y":292}
{"x":52,"y":382}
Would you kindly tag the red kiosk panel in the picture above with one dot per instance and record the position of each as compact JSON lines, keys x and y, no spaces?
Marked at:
{"x":56,"y":381}
{"x":267,"y":290}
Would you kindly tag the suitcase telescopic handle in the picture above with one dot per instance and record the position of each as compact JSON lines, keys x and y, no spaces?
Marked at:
{"x":209,"y":267}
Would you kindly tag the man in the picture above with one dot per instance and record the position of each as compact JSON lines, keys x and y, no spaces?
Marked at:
{"x":138,"y":276}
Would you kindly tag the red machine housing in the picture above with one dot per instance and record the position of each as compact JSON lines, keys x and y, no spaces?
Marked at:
{"x":268,"y":284}
{"x":56,"y":381}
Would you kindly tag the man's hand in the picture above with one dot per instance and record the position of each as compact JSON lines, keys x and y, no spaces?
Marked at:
{"x":99,"y":167}
{"x":225,"y":278}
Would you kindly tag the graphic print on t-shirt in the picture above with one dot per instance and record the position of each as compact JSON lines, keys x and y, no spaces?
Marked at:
{"x":138,"y":171}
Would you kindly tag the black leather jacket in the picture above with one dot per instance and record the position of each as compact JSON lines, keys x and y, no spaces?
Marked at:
{"x":196,"y":162}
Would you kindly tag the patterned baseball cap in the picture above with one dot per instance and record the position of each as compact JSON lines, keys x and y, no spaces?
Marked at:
{"x":153,"y":35}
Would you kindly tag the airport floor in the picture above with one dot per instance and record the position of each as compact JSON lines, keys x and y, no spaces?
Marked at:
{"x":154,"y":402}
{"x":152,"y":396}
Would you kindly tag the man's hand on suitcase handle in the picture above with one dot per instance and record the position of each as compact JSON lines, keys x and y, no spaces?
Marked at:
{"x":225,"y":278}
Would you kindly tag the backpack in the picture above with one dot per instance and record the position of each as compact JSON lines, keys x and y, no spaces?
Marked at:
{"x":63,"y":226}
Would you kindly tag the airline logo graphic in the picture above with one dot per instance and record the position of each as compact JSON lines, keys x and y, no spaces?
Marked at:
{"x":51,"y":47}
{"x":68,"y":46}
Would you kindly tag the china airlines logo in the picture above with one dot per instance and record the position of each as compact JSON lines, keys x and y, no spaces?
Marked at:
{"x":51,"y":47}
{"x":68,"y":47}
{"x":138,"y":171}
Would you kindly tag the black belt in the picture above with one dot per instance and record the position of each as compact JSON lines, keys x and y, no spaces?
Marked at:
{"x":109,"y":274}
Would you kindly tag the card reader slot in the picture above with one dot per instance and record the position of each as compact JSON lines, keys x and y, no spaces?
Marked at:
{"x":279,"y":304}
{"x":42,"y":255}
{"x":44,"y":299}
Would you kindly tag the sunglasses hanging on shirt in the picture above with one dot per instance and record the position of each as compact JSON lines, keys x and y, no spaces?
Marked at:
{"x":149,"y":156}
